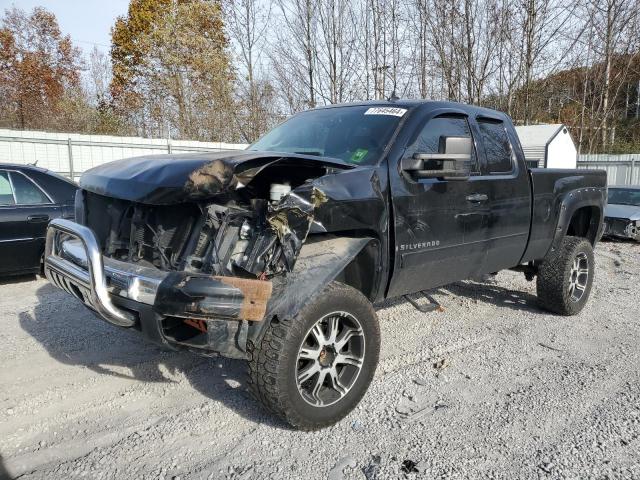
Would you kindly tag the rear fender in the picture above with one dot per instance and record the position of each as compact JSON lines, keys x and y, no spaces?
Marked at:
{"x":570,"y":204}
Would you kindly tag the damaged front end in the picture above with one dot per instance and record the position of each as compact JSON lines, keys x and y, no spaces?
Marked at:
{"x":189,"y":255}
{"x":622,"y":228}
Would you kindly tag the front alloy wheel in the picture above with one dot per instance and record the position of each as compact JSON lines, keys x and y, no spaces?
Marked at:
{"x":330,"y":359}
{"x":313,"y":369}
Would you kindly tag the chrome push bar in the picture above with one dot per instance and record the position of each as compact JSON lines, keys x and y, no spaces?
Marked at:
{"x":74,"y":263}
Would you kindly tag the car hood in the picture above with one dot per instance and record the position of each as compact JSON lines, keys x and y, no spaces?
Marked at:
{"x":165,"y":179}
{"x":631,"y":212}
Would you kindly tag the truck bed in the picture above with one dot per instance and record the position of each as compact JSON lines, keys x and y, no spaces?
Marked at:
{"x":553,"y":189}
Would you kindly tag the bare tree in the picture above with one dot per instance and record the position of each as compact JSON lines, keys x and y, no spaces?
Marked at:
{"x":336,"y":48}
{"x":296,"y":48}
{"x":509,"y":65}
{"x":421,"y":51}
{"x":247,"y":24}
{"x":99,"y":75}
{"x":543,"y":23}
{"x":614,"y":22}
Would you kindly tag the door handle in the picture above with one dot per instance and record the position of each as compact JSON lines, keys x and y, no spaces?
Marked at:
{"x":477,"y":198}
{"x":38,"y":218}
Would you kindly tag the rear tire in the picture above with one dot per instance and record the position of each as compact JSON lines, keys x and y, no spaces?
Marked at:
{"x":565,"y":277}
{"x":312,"y":370}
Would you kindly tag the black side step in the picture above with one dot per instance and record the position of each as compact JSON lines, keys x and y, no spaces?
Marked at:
{"x":426,"y":308}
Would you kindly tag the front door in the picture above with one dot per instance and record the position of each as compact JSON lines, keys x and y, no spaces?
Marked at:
{"x":440,"y":225}
{"x":25,"y":211}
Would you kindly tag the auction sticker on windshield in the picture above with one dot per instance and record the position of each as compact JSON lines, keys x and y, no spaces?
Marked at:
{"x":396,"y":112}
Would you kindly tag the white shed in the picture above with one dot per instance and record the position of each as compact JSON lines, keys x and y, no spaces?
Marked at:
{"x":548,"y":146}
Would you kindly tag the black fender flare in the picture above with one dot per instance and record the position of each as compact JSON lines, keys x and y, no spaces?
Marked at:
{"x":570,"y":203}
{"x":318,"y":264}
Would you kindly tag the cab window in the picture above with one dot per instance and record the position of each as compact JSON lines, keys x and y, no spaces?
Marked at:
{"x":6,"y":192}
{"x":431,"y":138}
{"x":27,"y":193}
{"x":496,"y":146}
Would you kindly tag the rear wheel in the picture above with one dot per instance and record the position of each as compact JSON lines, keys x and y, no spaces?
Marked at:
{"x":314,"y":369}
{"x":566,"y":276}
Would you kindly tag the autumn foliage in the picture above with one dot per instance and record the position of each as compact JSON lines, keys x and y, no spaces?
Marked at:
{"x":171,"y":69}
{"x":38,"y":66}
{"x":222,"y":70}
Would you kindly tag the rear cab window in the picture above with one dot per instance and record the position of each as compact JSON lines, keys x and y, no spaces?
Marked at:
{"x":497,"y":148}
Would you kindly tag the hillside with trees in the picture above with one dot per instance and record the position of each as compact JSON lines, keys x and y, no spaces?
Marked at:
{"x":229,"y":70}
{"x":578,"y":97}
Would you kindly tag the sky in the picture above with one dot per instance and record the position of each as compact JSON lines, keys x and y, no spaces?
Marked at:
{"x":88,"y":22}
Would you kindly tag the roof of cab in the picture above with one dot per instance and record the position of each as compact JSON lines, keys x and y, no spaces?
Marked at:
{"x":413,"y":103}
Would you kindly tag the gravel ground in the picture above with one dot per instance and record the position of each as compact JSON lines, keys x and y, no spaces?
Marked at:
{"x":491,"y":387}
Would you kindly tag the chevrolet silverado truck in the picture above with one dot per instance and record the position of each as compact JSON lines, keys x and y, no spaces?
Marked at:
{"x":277,"y":254}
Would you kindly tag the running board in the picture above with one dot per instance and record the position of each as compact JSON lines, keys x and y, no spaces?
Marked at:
{"x":432,"y":306}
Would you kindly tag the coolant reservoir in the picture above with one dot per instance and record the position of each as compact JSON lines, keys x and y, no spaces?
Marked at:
{"x":278,"y":190}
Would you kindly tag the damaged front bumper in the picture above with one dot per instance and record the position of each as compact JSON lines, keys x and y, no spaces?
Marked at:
{"x":195,"y":311}
{"x":622,"y":228}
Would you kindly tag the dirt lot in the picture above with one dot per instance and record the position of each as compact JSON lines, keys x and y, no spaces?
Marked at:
{"x":491,"y":387}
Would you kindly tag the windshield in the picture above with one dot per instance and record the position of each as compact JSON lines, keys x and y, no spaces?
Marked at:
{"x":624,"y":196}
{"x":357,"y":134}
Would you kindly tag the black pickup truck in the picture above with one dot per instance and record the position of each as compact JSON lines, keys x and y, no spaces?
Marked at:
{"x":276,"y":254}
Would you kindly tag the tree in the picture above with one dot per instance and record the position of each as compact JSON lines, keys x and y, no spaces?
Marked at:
{"x":100,"y":115}
{"x":39,"y":67}
{"x":99,"y":76}
{"x":294,"y":56}
{"x":171,"y":69}
{"x":615,"y":25}
{"x":337,"y":43}
{"x":543,"y":23}
{"x":248,"y":22}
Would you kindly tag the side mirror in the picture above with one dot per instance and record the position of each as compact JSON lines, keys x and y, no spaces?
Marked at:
{"x":453,"y":164}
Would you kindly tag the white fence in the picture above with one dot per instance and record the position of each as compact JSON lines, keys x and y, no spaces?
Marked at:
{"x":71,"y":154}
{"x":621,"y":169}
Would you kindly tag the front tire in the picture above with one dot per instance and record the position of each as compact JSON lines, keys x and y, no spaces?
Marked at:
{"x":566,"y":276}
{"x":312,"y":370}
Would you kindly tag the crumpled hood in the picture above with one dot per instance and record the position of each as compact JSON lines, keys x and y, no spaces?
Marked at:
{"x":166,"y":179}
{"x":631,"y":212}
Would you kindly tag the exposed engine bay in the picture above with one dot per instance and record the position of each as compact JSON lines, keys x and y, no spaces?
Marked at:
{"x":253,"y":231}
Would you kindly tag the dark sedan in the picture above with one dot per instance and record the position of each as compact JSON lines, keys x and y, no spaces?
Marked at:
{"x":29,"y":198}
{"x":622,"y":214}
